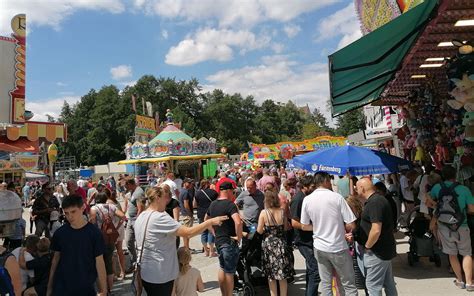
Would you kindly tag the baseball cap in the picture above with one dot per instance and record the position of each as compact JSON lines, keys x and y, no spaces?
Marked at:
{"x":188,"y":180}
{"x":226,"y":186}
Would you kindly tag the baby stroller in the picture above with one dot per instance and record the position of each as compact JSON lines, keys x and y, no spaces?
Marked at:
{"x":421,"y":241}
{"x":249,"y":268}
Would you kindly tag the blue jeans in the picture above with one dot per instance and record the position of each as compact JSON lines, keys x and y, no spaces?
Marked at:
{"x":378,"y":273}
{"x":312,"y":273}
{"x":229,"y":256}
{"x":206,"y":236}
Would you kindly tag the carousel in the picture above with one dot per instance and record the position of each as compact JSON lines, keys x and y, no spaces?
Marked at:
{"x":172,"y":150}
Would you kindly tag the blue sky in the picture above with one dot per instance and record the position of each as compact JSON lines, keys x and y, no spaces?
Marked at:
{"x":273,"y":49}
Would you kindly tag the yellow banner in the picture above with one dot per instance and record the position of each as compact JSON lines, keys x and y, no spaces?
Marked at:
{"x":145,"y":122}
{"x":27,"y":162}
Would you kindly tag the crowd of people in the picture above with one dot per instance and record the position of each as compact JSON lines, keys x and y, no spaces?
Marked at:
{"x":343,"y":227}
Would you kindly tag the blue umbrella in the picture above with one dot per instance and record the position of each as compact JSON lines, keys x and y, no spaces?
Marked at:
{"x":355,"y":160}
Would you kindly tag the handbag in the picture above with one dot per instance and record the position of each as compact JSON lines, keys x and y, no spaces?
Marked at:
{"x":137,"y":286}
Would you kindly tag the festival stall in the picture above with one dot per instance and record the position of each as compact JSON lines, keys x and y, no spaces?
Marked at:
{"x":171,"y":150}
{"x":22,"y":141}
{"x":269,"y":153}
{"x":423,"y":68}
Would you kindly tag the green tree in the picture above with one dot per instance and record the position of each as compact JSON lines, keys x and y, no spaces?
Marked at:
{"x":350,"y":122}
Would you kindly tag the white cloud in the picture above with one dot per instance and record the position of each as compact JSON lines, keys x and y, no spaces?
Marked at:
{"x":231,"y":12}
{"x":278,"y":78}
{"x":61,"y":84}
{"x":291,"y":30}
{"x":51,"y":12}
{"x":212,"y":44}
{"x":121,"y":72}
{"x":50,"y":107}
{"x":164,"y":34}
{"x":343,"y":23}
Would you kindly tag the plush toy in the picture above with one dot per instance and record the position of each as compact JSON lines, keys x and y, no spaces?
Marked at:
{"x":468,"y":122}
{"x":463,"y":93}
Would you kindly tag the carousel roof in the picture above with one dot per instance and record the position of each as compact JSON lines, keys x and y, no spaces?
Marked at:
{"x":171,"y":132}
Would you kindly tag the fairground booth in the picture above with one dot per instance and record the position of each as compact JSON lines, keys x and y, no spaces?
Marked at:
{"x":23,"y":143}
{"x":171,"y":150}
{"x":418,"y":61}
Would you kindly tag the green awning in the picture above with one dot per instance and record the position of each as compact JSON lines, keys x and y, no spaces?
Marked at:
{"x":359,"y":72}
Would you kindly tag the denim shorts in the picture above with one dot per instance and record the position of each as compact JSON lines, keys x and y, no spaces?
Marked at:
{"x":228,"y":256}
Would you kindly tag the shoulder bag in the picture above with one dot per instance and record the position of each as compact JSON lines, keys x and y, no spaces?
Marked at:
{"x":137,"y":285}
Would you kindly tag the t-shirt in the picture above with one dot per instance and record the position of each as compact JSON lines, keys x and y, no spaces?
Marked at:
{"x":173,"y":187}
{"x":464,"y":196}
{"x":26,"y":191}
{"x":252,"y":206}
{"x":185,"y":195}
{"x":186,"y":284}
{"x":343,"y":187}
{"x":41,"y":267}
{"x":173,"y":204}
{"x":159,"y":261}
{"x":377,"y":209}
{"x":41,"y":204}
{"x":137,"y":196}
{"x":24,"y":274}
{"x":203,"y":202}
{"x":328,"y":211}
{"x":78,"y":251}
{"x":406,"y":191}
{"x":82,"y":193}
{"x":301,"y":237}
{"x":223,"y":207}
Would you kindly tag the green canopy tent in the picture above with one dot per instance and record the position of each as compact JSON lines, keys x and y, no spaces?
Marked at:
{"x":359,"y":72}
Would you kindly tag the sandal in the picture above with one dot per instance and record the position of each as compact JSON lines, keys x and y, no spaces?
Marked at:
{"x":460,"y":285}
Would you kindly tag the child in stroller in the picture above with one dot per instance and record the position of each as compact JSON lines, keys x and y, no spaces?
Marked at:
{"x":421,"y":240}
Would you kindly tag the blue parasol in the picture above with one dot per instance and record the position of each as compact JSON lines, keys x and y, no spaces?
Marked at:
{"x":355,"y":160}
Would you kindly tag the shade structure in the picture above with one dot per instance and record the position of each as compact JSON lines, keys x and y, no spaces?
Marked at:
{"x":171,"y":133}
{"x":359,"y":72}
{"x":355,"y":160}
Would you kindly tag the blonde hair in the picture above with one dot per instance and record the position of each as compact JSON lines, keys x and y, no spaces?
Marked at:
{"x":271,"y":199}
{"x":154,"y":192}
{"x":184,"y":257}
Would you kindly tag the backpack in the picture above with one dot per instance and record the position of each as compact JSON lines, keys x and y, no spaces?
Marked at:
{"x":6,"y":286}
{"x":108,"y":229}
{"x":448,"y":211}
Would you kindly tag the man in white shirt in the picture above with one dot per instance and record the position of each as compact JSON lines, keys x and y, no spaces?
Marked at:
{"x":30,"y":244}
{"x":173,"y":187}
{"x":407,"y":193}
{"x":328,"y":215}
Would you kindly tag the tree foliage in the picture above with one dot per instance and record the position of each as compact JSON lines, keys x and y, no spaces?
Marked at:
{"x":350,"y":122}
{"x":102,"y":122}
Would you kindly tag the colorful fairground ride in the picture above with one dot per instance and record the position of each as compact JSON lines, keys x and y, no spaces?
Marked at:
{"x":172,"y":150}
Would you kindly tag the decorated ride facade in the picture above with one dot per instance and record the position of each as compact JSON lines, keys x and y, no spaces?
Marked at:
{"x":171,"y":141}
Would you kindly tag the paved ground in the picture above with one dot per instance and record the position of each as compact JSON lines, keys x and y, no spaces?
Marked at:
{"x":422,"y":279}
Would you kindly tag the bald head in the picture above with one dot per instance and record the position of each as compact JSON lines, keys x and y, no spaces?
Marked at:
{"x":365,"y":188}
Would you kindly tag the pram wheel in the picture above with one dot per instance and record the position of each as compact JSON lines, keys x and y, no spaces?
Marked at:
{"x":248,"y":290}
{"x":437,"y":260}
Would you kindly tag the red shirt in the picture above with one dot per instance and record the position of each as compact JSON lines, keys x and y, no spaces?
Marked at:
{"x":82,"y":193}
